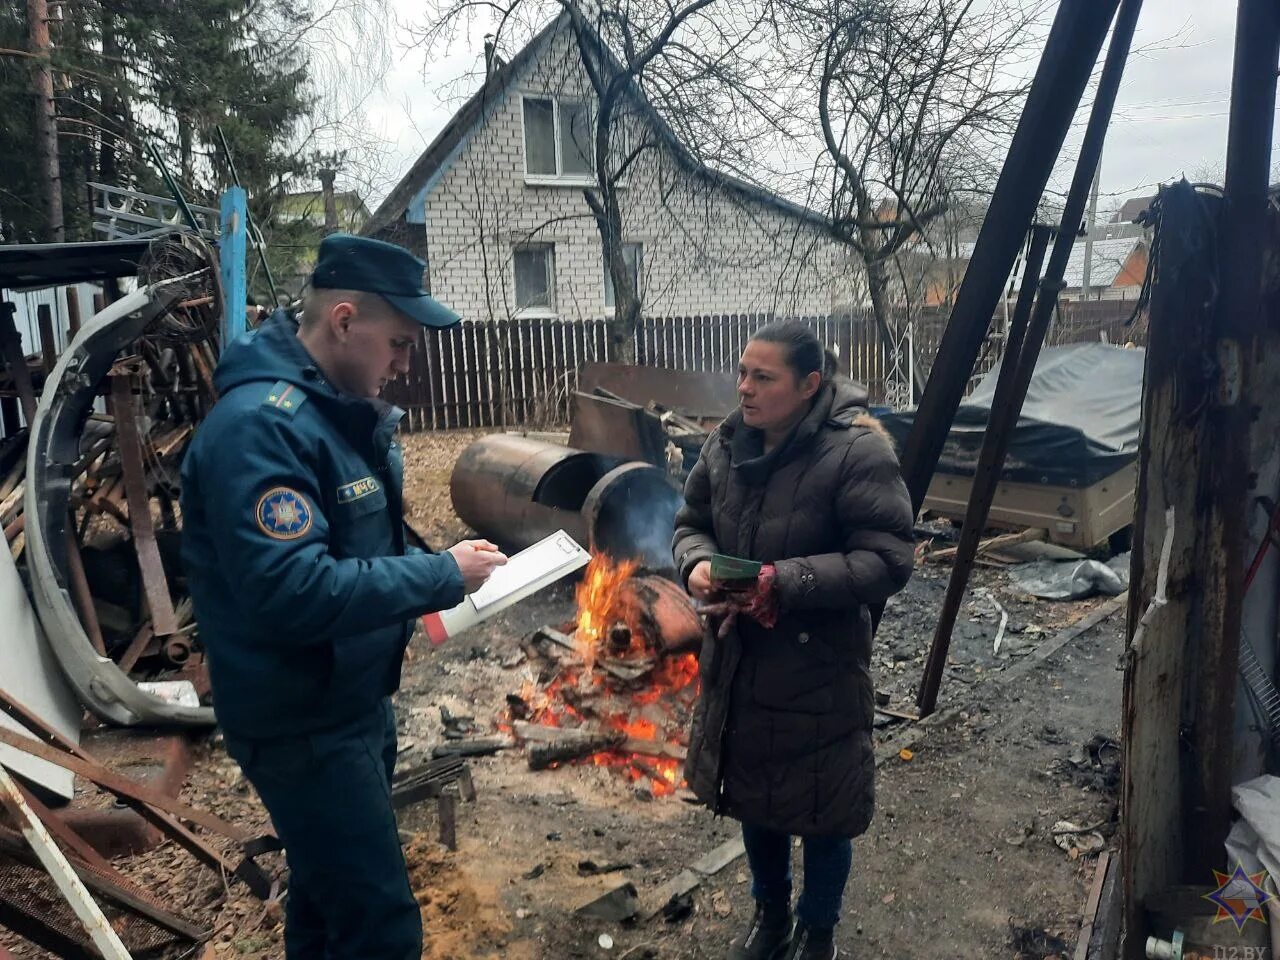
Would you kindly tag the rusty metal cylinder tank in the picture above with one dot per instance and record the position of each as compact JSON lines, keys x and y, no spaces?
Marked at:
{"x":664,"y":613}
{"x":515,"y":491}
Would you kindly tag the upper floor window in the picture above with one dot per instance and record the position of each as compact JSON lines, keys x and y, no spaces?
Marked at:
{"x":558,"y":140}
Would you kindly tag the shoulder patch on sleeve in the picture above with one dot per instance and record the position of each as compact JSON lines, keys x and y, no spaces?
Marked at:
{"x":283,"y":514}
{"x":285,"y":397}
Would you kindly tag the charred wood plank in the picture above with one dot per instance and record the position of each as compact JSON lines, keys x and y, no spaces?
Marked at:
{"x":569,"y":748}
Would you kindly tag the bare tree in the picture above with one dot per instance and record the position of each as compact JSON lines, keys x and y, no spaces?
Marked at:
{"x":681,"y":79}
{"x":911,"y":94}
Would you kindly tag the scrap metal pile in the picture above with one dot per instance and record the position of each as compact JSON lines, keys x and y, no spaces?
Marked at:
{"x":93,"y":514}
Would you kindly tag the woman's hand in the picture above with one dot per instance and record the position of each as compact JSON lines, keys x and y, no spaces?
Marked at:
{"x":700,"y":581}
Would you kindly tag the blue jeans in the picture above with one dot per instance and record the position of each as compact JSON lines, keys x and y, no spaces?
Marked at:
{"x":329,"y":795}
{"x":827,"y":861}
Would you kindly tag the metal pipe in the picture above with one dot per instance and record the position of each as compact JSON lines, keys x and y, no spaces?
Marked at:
{"x":1078,"y":33}
{"x":986,"y":477}
{"x":516,"y":491}
{"x":1005,"y":410}
{"x":630,"y":513}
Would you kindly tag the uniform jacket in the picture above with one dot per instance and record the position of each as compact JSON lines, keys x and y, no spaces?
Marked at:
{"x":782,"y":731}
{"x":293,"y":544}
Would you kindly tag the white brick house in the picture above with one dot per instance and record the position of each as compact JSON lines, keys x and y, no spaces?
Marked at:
{"x":495,"y":205}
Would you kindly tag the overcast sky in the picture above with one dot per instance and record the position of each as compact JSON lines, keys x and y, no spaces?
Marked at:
{"x":1171,"y":117}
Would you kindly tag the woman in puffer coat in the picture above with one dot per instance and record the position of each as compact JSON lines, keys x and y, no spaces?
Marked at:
{"x":802,"y":479}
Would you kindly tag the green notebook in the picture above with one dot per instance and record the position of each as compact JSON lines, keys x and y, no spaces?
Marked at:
{"x":728,"y":569}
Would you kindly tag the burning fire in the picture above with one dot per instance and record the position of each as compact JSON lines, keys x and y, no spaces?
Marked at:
{"x":650,"y":712}
{"x":599,"y":600}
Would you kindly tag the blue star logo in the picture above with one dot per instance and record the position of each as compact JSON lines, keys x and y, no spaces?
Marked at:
{"x":1240,"y":897}
{"x":283,"y":514}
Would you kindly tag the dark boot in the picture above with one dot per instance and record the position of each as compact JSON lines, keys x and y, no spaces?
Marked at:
{"x":812,"y":943}
{"x":769,"y":935}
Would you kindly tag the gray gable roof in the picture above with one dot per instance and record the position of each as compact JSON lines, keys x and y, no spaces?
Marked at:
{"x":437,"y":154}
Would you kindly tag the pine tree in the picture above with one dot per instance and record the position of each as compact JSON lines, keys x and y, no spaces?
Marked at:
{"x":168,"y":72}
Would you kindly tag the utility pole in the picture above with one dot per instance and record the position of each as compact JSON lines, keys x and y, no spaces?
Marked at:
{"x":1090,"y":225}
{"x":46,"y":119}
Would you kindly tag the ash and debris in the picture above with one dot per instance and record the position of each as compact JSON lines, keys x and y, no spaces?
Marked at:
{"x":963,"y":840}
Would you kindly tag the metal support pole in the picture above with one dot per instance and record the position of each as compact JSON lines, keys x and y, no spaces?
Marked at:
{"x":178,"y":196}
{"x":1078,"y":33}
{"x":1005,"y":408}
{"x":255,"y":234}
{"x":1004,"y":412}
{"x":231,"y":257}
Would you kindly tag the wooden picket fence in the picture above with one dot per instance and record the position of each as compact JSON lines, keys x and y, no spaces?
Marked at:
{"x":522,"y":372}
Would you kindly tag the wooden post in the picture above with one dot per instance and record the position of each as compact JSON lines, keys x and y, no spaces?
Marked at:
{"x":330,"y":202}
{"x":73,"y":314}
{"x":15,"y":359}
{"x":48,"y":343}
{"x":1156,"y":668}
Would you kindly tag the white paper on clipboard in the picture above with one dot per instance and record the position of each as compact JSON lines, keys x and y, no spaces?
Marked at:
{"x":523,"y":575}
{"x":543,"y":561}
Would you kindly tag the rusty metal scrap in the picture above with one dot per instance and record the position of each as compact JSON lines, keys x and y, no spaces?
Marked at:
{"x":152,"y":354}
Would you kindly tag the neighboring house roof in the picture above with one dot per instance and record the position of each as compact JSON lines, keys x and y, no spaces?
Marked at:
{"x":1108,"y":260}
{"x":442,"y":150}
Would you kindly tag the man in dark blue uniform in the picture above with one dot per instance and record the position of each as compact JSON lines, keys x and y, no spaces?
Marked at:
{"x":305,"y":591}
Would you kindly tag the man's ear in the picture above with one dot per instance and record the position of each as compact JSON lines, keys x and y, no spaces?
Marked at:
{"x":340,"y":316}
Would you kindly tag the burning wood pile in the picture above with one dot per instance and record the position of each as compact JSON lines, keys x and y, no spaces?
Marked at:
{"x":615,"y":688}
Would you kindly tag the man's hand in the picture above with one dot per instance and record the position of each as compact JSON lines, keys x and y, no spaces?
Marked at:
{"x":477,"y":560}
{"x":700,"y":580}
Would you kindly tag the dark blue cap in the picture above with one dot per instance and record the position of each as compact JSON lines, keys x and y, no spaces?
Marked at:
{"x":348,"y":262}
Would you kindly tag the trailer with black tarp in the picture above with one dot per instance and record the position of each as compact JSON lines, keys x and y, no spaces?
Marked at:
{"x":1071,"y":465}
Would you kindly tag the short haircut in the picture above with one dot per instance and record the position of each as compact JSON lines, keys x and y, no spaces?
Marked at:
{"x":316,"y":300}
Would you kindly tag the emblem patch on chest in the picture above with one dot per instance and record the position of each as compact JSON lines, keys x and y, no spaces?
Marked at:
{"x":283,"y":514}
{"x":357,"y":489}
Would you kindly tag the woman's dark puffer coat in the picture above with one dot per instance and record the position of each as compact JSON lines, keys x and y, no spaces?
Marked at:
{"x":781,"y":735}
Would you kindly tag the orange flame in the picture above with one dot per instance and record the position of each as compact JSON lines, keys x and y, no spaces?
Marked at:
{"x":602,"y":602}
{"x":599,"y":600}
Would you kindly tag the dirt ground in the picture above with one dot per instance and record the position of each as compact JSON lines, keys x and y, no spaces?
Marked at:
{"x":960,"y":860}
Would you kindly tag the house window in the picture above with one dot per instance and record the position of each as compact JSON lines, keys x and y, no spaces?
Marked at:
{"x":539,"y":137}
{"x":535,"y":268}
{"x":558,"y":140}
{"x":634,"y":257}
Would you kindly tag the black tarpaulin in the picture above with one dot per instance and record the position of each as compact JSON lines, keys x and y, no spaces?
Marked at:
{"x":1078,"y":425}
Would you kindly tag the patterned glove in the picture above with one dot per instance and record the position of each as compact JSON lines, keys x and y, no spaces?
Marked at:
{"x":758,"y":600}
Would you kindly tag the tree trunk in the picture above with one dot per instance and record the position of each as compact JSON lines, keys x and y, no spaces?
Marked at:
{"x":626,"y":299}
{"x":881,"y":311}
{"x":184,"y":152}
{"x":108,"y":158}
{"x":330,"y":202}
{"x":46,"y":118}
